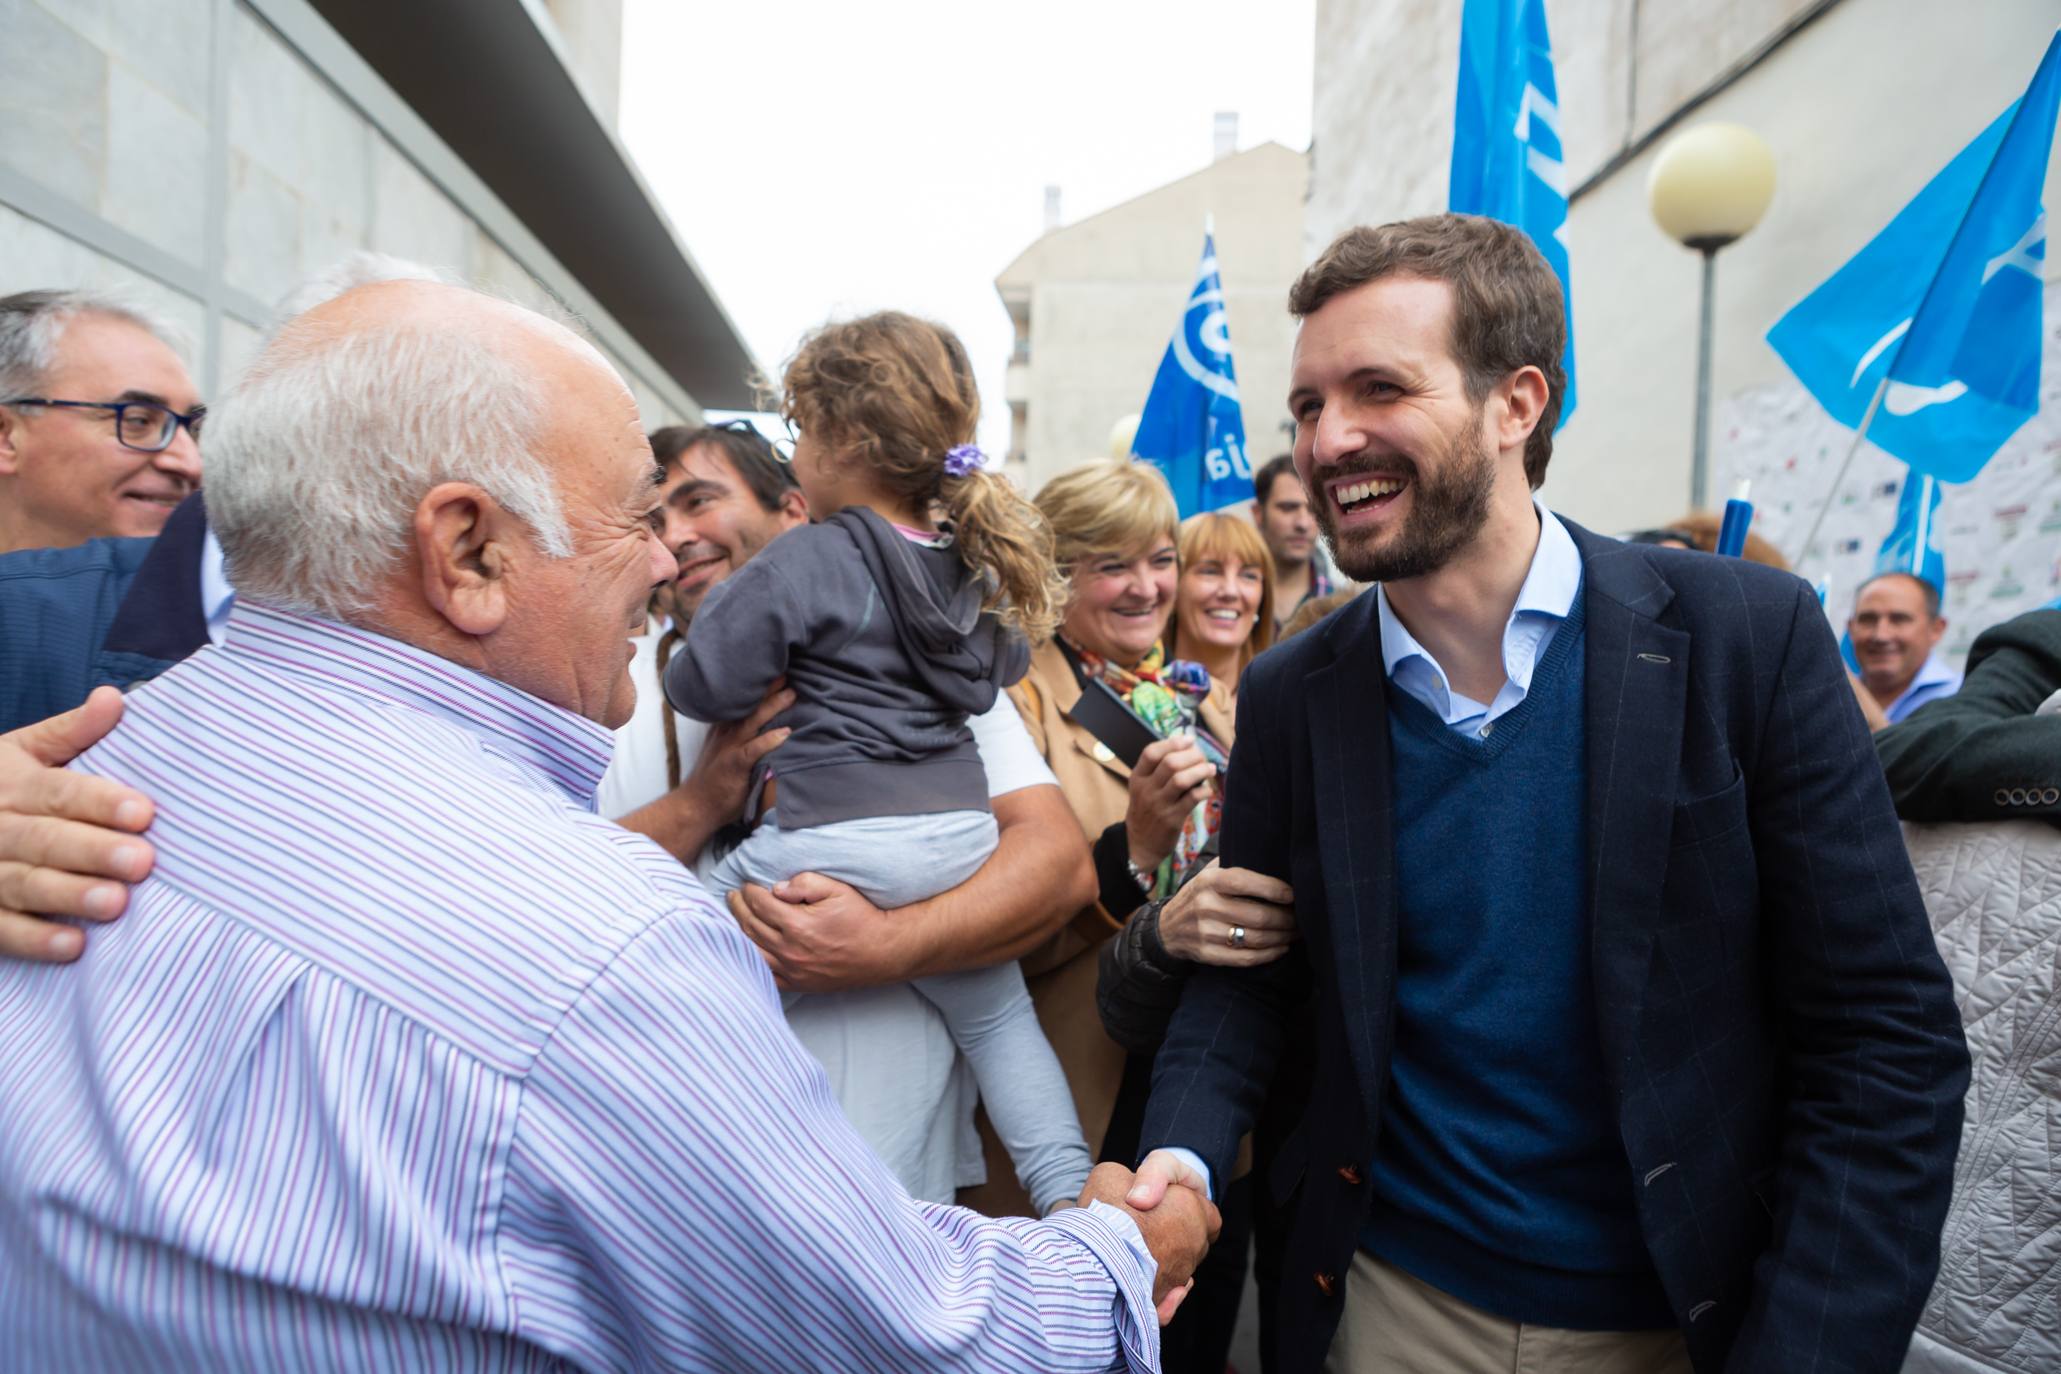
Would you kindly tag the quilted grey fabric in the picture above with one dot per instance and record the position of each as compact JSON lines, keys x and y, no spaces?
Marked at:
{"x":1994,"y":893}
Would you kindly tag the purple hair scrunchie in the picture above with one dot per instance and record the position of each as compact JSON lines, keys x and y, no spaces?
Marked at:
{"x":964,"y":460}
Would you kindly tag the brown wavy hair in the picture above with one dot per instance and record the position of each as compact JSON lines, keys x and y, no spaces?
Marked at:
{"x":895,"y":393}
{"x":1702,"y":527}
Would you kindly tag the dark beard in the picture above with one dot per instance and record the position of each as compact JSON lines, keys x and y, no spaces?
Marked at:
{"x":1445,"y":514}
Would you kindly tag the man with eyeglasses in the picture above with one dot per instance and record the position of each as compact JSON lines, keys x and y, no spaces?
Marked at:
{"x":98,"y":420}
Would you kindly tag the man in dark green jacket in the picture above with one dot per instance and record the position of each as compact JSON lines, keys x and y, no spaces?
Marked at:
{"x":1983,"y":754}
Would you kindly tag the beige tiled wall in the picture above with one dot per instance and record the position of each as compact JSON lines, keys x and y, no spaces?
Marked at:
{"x":104,"y":107}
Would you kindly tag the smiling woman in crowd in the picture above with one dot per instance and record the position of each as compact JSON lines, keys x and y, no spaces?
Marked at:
{"x":1224,"y":611}
{"x":1115,"y":528}
{"x":1116,"y":535}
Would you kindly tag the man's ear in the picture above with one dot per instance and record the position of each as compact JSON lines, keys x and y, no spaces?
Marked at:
{"x":10,"y":456}
{"x":462,"y":542}
{"x":1524,"y":401}
{"x":794,"y":507}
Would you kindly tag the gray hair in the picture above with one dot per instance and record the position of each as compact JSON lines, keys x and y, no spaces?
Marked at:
{"x":319,"y":455}
{"x":348,"y":273}
{"x":32,"y":323}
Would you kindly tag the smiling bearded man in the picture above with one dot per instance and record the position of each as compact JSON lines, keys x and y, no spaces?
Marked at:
{"x":1632,"y":1048}
{"x":1441,"y":513}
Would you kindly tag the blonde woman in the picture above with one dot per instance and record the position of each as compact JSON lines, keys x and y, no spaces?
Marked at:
{"x":1114,"y":530}
{"x":1117,"y":540}
{"x":1224,"y":610}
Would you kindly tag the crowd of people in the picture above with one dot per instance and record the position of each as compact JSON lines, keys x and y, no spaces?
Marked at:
{"x":679,"y":900}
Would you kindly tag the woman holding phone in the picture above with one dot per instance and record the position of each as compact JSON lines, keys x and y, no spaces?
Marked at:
{"x":1116,"y":532}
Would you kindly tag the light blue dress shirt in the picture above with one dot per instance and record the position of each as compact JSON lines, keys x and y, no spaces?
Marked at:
{"x":1542,"y":603}
{"x":1934,"y":680}
{"x":216,"y":595}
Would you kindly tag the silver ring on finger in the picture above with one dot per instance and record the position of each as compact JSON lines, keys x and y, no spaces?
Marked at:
{"x":1237,"y":937}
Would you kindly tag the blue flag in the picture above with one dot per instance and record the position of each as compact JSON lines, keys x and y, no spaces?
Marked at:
{"x":1192,"y":429}
{"x":1913,"y":543}
{"x":1944,"y":303}
{"x":1507,"y":162}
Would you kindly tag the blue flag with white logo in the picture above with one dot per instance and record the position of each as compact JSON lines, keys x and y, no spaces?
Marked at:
{"x":1192,"y":429}
{"x":1507,"y":162}
{"x":1944,"y":303}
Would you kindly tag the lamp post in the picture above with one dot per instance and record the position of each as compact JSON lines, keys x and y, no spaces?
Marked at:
{"x":1709,"y":186}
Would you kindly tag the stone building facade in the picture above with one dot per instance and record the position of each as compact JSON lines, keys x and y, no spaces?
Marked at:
{"x":205,"y":155}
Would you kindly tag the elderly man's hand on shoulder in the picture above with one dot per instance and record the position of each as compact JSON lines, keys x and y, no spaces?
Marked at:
{"x":63,"y":835}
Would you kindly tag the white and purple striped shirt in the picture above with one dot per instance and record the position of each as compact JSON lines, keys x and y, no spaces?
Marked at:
{"x":403,"y":1059}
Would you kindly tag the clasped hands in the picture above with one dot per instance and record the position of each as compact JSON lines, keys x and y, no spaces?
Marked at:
{"x":1173,"y":1213}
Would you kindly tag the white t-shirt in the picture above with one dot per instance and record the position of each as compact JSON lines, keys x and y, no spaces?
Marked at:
{"x":637,"y":774}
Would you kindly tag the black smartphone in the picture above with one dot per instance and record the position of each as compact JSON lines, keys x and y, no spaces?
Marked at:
{"x":1108,"y":719}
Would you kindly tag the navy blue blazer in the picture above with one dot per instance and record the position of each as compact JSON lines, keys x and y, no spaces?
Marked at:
{"x":1776,"y":1022}
{"x":110,"y":612}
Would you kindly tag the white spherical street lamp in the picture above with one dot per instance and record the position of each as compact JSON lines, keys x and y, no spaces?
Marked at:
{"x":1709,"y":186}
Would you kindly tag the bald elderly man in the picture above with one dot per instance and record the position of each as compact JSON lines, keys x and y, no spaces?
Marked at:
{"x":406,"y":1059}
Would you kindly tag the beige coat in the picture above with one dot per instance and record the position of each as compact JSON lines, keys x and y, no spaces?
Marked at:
{"x":1061,"y":972}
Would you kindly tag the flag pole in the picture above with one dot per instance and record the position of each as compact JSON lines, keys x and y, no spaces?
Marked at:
{"x":1860,"y":437}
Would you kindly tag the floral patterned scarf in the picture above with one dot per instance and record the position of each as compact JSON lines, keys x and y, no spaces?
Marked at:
{"x":1168,"y":696}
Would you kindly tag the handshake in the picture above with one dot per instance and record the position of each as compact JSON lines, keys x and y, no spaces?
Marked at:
{"x":1168,"y":1201}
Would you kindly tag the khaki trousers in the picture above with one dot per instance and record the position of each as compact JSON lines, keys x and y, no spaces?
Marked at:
{"x":1395,"y":1323}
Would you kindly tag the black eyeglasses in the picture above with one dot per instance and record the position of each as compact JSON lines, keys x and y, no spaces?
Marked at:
{"x":144,"y":426}
{"x":783,"y":449}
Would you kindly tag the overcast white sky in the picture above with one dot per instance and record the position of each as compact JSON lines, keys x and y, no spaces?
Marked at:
{"x":826,"y":159}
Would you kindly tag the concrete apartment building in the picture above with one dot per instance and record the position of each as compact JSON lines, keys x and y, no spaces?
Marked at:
{"x":1862,"y":102}
{"x":1095,"y":302}
{"x":205,"y":155}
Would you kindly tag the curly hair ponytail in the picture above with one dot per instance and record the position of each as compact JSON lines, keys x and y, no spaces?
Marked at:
{"x":1004,"y":537}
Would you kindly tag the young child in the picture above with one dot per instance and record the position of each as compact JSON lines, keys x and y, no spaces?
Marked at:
{"x":902,"y":612}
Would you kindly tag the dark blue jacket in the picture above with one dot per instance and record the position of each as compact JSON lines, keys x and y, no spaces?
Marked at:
{"x":1777,"y":1027}
{"x":111,"y":611}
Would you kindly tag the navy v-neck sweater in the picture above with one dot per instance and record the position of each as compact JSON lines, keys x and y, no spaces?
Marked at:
{"x":1499,"y":1174}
